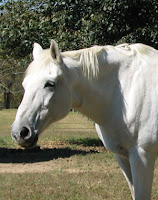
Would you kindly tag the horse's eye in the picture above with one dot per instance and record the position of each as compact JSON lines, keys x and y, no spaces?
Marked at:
{"x":49,"y":84}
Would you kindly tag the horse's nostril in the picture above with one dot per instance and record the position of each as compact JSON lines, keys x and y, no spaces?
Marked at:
{"x":24,"y":133}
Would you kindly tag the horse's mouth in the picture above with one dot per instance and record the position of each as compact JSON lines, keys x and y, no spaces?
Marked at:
{"x":29,"y":144}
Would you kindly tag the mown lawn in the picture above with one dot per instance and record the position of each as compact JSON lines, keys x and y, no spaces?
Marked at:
{"x":71,"y":164}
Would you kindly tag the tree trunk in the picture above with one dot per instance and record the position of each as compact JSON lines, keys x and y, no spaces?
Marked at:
{"x":7,"y":96}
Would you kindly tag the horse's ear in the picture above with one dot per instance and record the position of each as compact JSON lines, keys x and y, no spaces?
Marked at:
{"x":54,"y":51}
{"x":37,"y":49}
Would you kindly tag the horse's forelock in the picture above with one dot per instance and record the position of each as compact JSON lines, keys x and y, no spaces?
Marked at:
{"x":40,"y":63}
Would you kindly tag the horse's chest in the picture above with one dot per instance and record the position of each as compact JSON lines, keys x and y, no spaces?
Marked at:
{"x":117,"y":142}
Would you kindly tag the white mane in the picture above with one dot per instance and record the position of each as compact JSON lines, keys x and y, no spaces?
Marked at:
{"x":141,"y":49}
{"x":89,"y":58}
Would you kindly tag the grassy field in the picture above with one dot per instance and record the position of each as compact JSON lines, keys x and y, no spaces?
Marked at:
{"x":71,"y":164}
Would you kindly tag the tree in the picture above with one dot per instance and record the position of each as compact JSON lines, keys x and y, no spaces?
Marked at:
{"x":76,"y":24}
{"x":73,"y":24}
{"x":10,"y":77}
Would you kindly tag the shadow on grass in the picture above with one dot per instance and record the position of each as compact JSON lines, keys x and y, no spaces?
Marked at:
{"x":38,"y":155}
{"x":87,"y":142}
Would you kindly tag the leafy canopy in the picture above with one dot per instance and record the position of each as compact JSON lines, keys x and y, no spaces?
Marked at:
{"x":76,"y":24}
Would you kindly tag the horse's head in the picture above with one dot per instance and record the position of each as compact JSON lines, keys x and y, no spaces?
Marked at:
{"x":47,"y":96}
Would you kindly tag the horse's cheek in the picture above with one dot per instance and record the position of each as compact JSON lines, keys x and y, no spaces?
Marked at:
{"x":64,"y":100}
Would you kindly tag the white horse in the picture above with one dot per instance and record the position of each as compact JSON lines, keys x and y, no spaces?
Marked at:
{"x":116,"y":87}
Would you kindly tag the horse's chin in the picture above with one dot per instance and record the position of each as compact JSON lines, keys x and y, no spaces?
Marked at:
{"x":29,"y":145}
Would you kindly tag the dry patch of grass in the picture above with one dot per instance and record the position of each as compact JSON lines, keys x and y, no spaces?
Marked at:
{"x":71,"y":164}
{"x":77,"y":177}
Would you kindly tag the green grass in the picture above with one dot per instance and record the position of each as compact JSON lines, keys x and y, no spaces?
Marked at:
{"x":72,"y":164}
{"x":77,"y":178}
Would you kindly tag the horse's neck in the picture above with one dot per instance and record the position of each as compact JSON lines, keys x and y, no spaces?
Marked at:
{"x":91,"y":96}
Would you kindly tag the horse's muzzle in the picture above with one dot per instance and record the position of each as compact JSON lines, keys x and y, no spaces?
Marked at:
{"x":24,"y":137}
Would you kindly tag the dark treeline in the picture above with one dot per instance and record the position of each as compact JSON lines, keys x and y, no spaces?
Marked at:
{"x":73,"y":24}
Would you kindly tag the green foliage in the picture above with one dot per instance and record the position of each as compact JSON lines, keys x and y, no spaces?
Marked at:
{"x":20,"y":27}
{"x":74,"y":24}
